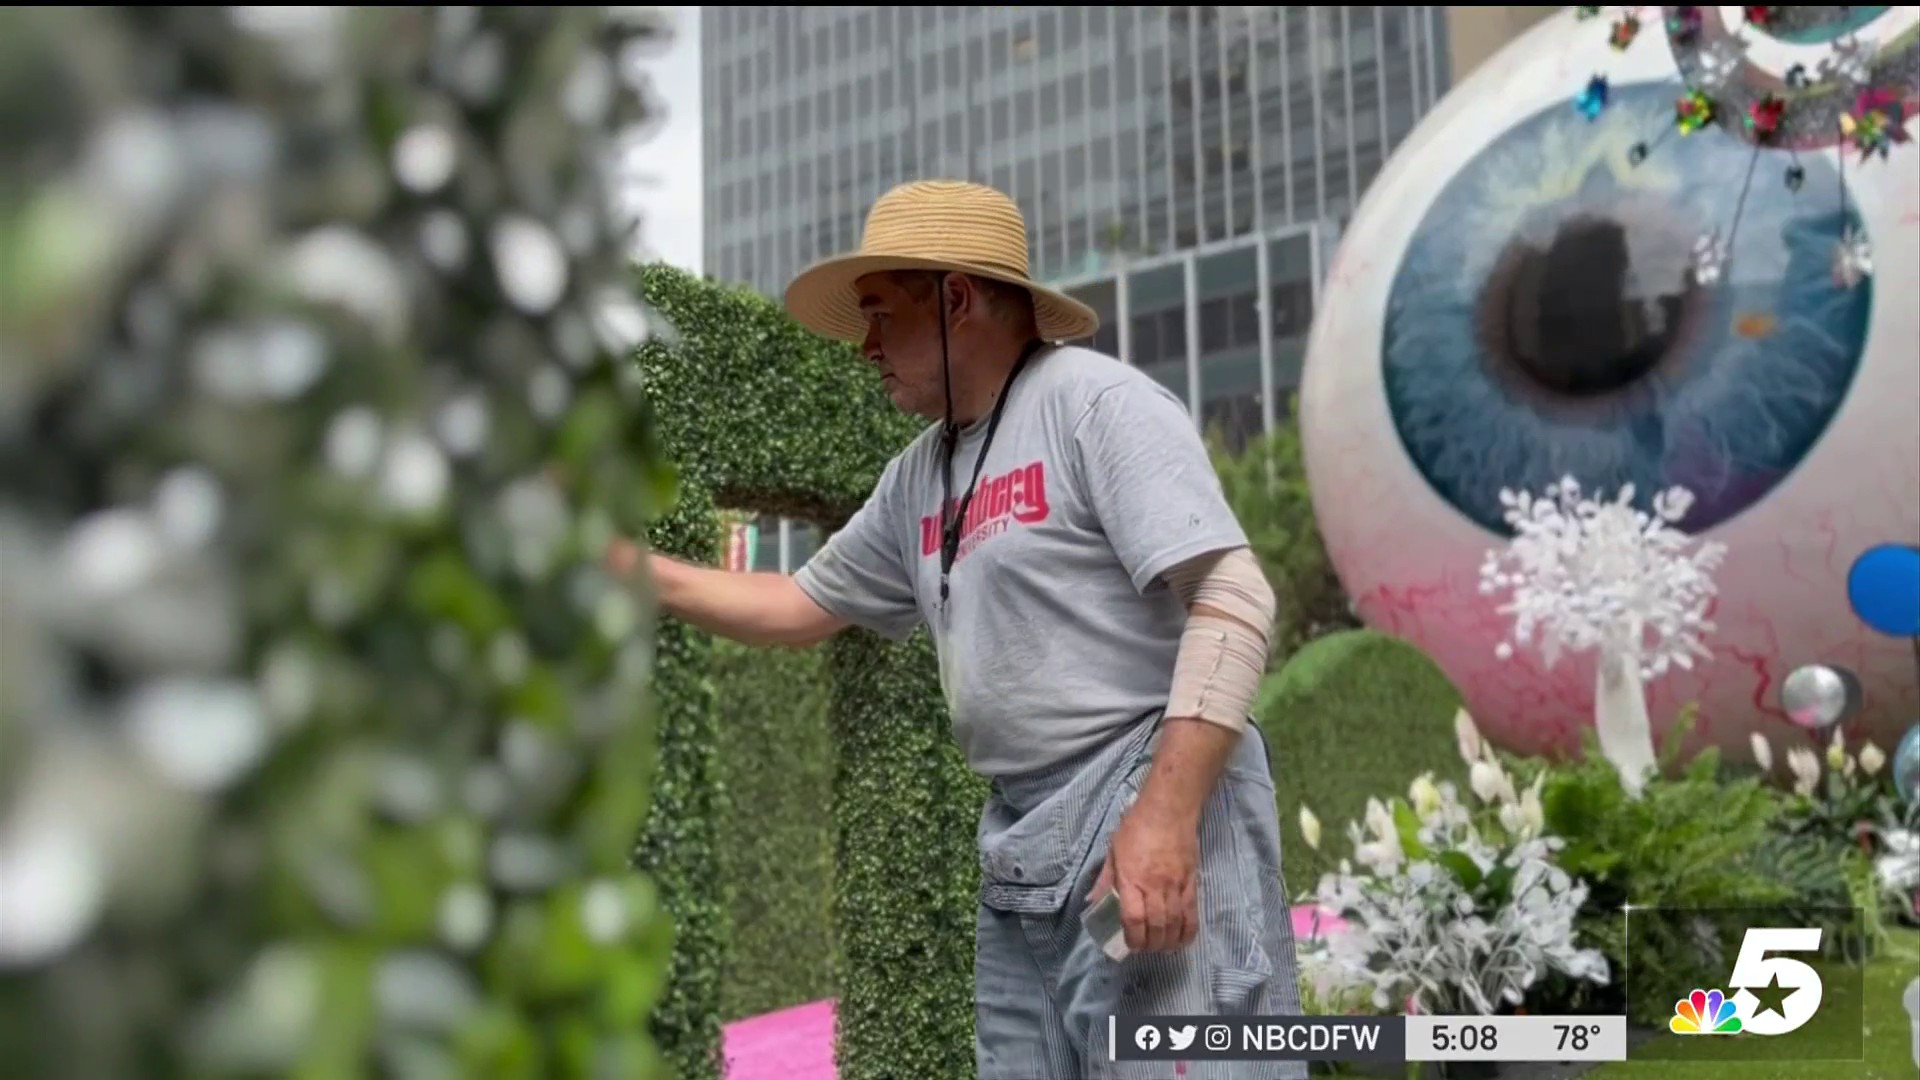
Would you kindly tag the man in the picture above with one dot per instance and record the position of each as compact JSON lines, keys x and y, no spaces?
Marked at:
{"x":1101,"y":628}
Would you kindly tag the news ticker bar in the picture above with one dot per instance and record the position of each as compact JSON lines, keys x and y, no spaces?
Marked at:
{"x":1367,"y":1038}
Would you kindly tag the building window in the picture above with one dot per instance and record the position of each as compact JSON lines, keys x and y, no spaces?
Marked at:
{"x":1158,"y":317}
{"x":1290,"y":286}
{"x":1075,"y":96}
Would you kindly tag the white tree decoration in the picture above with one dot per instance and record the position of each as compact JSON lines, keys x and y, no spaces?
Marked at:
{"x":1586,"y":574}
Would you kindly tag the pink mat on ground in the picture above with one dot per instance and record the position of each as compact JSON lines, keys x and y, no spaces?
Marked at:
{"x":797,"y":1043}
{"x":792,"y":1044}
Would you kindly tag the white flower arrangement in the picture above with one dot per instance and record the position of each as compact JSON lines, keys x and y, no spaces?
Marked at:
{"x":1849,"y":797}
{"x":1591,"y":575}
{"x":1453,"y":911}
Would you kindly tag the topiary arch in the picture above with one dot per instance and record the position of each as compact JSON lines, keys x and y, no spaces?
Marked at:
{"x":760,"y":415}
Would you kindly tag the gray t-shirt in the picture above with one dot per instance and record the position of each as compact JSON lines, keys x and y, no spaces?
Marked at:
{"x":1058,"y":631}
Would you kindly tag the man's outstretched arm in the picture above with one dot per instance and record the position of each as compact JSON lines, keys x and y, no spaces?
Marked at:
{"x":751,"y":608}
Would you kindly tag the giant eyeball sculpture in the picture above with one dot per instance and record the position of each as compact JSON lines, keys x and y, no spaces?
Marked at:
{"x":1642,"y":254}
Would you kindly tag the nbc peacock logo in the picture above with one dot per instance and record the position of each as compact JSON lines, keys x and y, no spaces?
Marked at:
{"x":1704,"y":1012}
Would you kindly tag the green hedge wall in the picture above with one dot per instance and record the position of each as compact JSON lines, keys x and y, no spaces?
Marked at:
{"x":760,"y":415}
{"x":776,"y":842}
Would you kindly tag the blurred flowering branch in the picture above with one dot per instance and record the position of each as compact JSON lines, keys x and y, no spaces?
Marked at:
{"x":321,"y":739}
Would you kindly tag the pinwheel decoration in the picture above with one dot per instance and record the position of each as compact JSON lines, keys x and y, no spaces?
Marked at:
{"x":1863,"y":93}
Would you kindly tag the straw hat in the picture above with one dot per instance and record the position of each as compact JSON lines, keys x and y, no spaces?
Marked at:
{"x":933,"y":225}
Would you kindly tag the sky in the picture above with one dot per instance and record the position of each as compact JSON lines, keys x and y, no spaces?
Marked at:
{"x":671,"y":193}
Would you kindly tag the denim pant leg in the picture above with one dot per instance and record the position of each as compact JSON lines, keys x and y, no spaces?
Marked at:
{"x":1018,"y":1033}
{"x":1240,"y":963}
{"x":1036,"y":839}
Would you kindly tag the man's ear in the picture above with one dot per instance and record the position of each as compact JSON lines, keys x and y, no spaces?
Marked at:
{"x":963,"y":297}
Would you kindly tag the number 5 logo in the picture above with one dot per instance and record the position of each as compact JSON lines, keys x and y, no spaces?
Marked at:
{"x":1775,"y":994}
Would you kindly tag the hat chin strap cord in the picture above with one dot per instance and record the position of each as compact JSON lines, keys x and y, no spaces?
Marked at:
{"x":955,"y":514}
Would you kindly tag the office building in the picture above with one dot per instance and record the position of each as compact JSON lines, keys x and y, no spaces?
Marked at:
{"x":1184,"y":170}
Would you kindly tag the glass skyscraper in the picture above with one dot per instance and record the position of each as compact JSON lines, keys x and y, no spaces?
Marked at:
{"x":1184,"y":170}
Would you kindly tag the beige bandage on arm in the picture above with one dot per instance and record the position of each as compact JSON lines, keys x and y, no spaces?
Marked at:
{"x":1221,"y":659}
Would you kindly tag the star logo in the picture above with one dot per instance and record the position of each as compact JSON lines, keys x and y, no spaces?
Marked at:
{"x":1771,"y":997}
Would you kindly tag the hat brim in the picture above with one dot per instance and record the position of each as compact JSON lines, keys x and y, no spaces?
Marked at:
{"x":824,"y":299}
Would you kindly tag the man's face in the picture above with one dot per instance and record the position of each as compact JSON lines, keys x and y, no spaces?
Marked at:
{"x":903,"y":341}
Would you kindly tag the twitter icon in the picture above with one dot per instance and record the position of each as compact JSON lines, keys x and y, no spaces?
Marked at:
{"x":1180,"y":1038}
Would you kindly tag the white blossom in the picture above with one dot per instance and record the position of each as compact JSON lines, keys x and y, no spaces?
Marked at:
{"x":1424,"y":796}
{"x":1583,"y":574}
{"x":1586,"y":574}
{"x":1762,"y":751}
{"x":1804,"y":764}
{"x":1511,"y":818}
{"x":1472,"y":746}
{"x":1309,"y":828}
{"x":1533,"y":817}
{"x":1490,"y":782}
{"x":1871,"y":759}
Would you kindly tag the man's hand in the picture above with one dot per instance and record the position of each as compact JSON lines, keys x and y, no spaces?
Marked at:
{"x":1154,"y":864}
{"x":765,"y":608}
{"x":1154,"y":858}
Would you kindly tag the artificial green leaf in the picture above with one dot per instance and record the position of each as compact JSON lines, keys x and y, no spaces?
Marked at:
{"x":1407,"y":824}
{"x":1462,"y":867}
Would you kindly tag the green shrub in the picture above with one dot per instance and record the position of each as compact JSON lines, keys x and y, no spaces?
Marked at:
{"x":760,"y":415}
{"x":1353,"y":715}
{"x":1266,"y":483}
{"x":1695,"y":839}
{"x":776,"y":843}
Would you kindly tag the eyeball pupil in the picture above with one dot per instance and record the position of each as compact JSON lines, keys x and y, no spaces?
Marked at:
{"x":1576,"y":315}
